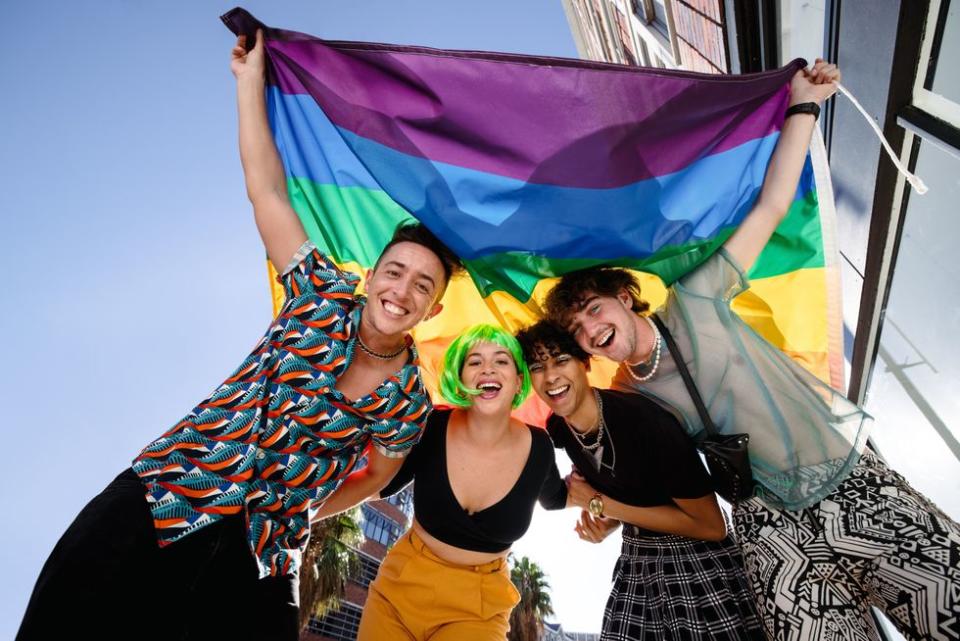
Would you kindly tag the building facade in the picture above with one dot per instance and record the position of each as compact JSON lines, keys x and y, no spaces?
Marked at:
{"x":688,"y":34}
{"x":383,"y":523}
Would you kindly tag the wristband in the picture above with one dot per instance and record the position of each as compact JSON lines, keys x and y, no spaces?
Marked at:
{"x":803,"y":108}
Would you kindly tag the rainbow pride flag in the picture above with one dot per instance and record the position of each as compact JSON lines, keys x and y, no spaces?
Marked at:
{"x":532,"y":167}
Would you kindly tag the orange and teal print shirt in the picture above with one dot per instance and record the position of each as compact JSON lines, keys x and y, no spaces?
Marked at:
{"x":276,"y":438}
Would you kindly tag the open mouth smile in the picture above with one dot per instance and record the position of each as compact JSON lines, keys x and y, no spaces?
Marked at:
{"x":489,"y":389}
{"x":393,"y":309}
{"x":605,"y":339}
{"x":558,"y":392}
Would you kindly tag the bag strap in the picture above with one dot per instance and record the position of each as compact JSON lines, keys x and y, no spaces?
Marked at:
{"x":708,"y":423}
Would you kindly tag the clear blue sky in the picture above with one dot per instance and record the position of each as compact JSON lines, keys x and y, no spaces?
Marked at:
{"x":133,"y":276}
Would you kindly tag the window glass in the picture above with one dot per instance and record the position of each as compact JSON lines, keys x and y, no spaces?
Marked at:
{"x":659,"y":18}
{"x":946,"y":80}
{"x":916,"y":378}
{"x":379,"y":528}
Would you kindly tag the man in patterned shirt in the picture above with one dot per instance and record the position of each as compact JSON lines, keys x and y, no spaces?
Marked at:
{"x":231,"y":488}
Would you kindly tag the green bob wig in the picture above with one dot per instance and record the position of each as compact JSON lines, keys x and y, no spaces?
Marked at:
{"x":453,"y":389}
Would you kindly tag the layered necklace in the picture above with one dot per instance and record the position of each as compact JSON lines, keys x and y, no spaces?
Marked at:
{"x":601,"y":425}
{"x":654,"y":360}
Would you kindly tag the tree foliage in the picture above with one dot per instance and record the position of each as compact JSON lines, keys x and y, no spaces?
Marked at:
{"x":526,"y":620}
{"x":330,"y":559}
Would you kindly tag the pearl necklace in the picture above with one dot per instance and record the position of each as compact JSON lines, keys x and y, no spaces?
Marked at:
{"x":656,"y":355}
{"x":378,"y":355}
{"x":601,"y":425}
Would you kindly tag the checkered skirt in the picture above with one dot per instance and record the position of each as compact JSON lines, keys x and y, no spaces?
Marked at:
{"x":668,"y":588}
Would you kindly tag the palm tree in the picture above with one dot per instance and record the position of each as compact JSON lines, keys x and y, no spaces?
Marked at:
{"x":526,"y":620}
{"x":331,"y":558}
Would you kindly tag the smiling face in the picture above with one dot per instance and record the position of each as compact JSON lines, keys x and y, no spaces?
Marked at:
{"x":560,"y":380}
{"x":403,"y":289}
{"x":490,"y":368}
{"x":606,"y":326}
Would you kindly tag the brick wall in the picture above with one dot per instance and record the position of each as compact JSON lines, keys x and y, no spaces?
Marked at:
{"x":700,"y":35}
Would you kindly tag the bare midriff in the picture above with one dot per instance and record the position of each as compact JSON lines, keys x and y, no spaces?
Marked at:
{"x":455,"y":555}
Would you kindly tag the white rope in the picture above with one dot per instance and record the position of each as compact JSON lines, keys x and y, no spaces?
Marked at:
{"x":918,"y":185}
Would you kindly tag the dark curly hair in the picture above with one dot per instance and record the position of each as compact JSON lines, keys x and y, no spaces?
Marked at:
{"x":412,"y":231}
{"x":547,"y":338}
{"x":571,"y":293}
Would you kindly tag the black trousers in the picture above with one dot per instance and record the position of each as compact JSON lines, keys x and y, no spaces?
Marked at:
{"x":108,"y":579}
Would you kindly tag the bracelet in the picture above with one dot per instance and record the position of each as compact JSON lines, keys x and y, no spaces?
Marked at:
{"x":803,"y":108}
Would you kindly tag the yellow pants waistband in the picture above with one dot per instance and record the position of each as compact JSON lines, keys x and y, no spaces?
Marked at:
{"x":484,"y":568}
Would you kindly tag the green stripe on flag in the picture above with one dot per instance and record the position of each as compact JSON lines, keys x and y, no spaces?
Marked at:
{"x":346,"y":223}
{"x":355,"y":223}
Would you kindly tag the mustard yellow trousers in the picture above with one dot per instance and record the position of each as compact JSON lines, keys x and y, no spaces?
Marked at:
{"x":418,"y":596}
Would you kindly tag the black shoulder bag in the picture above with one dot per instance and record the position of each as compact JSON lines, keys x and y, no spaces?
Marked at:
{"x":726,"y":454}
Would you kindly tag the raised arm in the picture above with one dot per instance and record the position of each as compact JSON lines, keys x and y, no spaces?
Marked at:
{"x":786,"y":164}
{"x":279,"y":226}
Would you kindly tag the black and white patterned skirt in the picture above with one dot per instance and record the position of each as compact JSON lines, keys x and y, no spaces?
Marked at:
{"x":672,"y":588}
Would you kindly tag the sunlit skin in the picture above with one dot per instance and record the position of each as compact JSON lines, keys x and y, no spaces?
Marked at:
{"x":489,"y":367}
{"x":560,"y":380}
{"x":481,"y":438}
{"x":403,"y":290}
{"x":607,"y":326}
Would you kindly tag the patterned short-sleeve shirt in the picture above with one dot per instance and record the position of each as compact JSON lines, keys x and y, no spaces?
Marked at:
{"x":276,"y":438}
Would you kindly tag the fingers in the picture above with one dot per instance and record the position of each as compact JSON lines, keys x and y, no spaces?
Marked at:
{"x":823,"y":73}
{"x":240,"y":49}
{"x":586,"y":530}
{"x":593,"y":527}
{"x":258,"y":45}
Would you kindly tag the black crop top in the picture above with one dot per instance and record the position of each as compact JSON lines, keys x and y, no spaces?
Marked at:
{"x":495,"y":528}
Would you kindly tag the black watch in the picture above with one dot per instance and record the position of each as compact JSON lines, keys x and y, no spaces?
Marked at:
{"x":803,"y":108}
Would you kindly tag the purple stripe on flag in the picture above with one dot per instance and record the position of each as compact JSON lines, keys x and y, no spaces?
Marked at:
{"x":567,"y":124}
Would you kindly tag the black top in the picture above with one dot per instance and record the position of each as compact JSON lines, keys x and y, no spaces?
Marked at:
{"x":495,"y":528}
{"x":647,"y":458}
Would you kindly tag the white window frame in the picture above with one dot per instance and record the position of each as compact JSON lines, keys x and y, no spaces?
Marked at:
{"x":924,"y":99}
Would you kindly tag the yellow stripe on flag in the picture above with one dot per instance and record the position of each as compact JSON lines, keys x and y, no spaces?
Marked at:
{"x":799,"y":294}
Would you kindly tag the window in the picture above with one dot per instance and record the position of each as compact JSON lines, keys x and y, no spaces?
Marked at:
{"x":910,"y":321}
{"x":938,"y":83}
{"x":653,"y":13}
{"x":368,"y":569}
{"x":379,"y":528}
{"x":403,"y":500}
{"x":913,"y":387}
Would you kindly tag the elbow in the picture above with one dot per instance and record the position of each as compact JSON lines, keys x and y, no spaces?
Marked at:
{"x":265,"y":196}
{"x":380,"y":475}
{"x":715,"y":530}
{"x":774,"y":209}
{"x":716,"y":533}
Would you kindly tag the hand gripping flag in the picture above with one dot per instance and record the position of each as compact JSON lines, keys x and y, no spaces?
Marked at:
{"x":531,"y":167}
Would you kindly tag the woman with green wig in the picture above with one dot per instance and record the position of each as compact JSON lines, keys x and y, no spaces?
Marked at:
{"x":478,"y":474}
